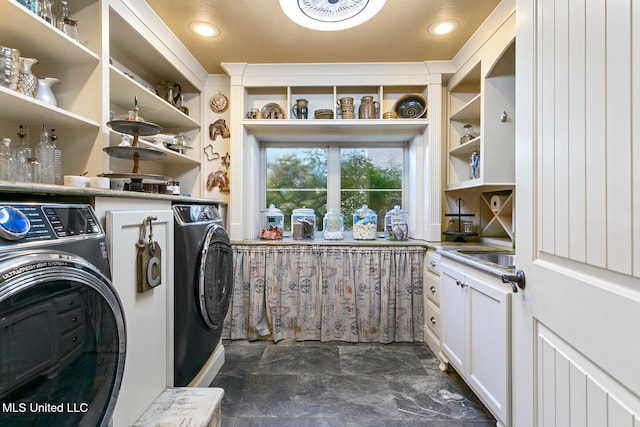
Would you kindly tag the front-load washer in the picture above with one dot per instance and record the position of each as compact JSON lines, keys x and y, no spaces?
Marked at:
{"x":203,"y":268}
{"x":62,"y":328}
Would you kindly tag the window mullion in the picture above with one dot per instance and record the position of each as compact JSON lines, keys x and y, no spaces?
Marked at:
{"x":333,"y":178}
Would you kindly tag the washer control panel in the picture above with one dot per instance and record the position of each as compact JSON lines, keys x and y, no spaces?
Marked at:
{"x":29,"y":222}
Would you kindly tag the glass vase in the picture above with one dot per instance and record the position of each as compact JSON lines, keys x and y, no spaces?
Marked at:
{"x":27,"y":82}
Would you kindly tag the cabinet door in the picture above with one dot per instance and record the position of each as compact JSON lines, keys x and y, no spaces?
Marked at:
{"x":452,"y":317}
{"x":488,"y":363}
{"x":149,"y":368}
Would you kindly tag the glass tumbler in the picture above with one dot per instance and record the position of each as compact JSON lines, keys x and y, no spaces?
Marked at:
{"x":9,"y":67}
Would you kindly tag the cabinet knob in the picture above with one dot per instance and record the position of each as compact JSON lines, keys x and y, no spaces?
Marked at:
{"x":432,"y":289}
{"x":432,"y":263}
{"x":433,"y":320}
{"x":460,"y":283}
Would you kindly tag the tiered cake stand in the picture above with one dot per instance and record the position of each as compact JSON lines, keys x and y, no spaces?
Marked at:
{"x":135,"y":128}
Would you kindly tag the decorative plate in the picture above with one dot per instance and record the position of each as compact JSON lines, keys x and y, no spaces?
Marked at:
{"x":410,"y":106}
{"x":219,"y":103}
{"x":272,"y":111}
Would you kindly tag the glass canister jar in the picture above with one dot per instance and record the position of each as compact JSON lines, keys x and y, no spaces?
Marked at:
{"x":396,"y":224}
{"x":333,"y":225}
{"x":365,"y":224}
{"x":303,"y":224}
{"x":271,"y":223}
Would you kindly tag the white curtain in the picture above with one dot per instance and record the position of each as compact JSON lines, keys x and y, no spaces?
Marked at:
{"x":311,"y":292}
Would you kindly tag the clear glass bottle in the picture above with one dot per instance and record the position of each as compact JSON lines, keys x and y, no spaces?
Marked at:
{"x":65,"y":22}
{"x":333,"y":225}
{"x":44,"y":155}
{"x":57,"y":159}
{"x":396,"y":224}
{"x":271,"y":223}
{"x":46,"y":12}
{"x":21,"y":154}
{"x":468,"y":134}
{"x":7,"y":161}
{"x":34,"y":173}
{"x":365,"y":224}
{"x":180,"y":105}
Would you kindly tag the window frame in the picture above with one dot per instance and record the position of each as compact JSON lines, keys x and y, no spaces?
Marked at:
{"x":333,"y":167}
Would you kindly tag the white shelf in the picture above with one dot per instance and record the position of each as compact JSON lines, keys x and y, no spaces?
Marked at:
{"x":42,"y":40}
{"x":152,"y":108}
{"x":327,"y":130}
{"x":15,"y":107}
{"x":141,"y":55}
{"x":470,"y":112}
{"x":467,"y":148}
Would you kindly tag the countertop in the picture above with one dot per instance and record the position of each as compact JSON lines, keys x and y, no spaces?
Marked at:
{"x":452,"y":251}
{"x":62,"y":190}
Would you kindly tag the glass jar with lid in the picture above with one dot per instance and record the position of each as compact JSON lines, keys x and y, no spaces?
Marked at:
{"x":365,"y":224}
{"x":396,"y":224}
{"x":271,"y":223}
{"x":303,"y":224}
{"x":333,"y":225}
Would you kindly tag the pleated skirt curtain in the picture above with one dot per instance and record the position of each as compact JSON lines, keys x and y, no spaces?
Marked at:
{"x":326,"y":293}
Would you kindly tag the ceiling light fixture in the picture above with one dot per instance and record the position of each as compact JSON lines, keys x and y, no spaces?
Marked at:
{"x":204,"y":29}
{"x":440,"y":28}
{"x":331,"y":15}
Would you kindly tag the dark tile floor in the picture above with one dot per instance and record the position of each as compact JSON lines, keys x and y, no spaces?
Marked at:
{"x":313,"y":384}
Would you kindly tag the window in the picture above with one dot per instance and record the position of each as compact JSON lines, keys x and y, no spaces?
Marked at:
{"x":337,"y":177}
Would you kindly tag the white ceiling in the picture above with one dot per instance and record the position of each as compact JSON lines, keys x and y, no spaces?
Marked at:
{"x":257,"y":31}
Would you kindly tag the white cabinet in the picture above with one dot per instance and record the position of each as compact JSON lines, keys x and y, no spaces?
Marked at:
{"x":148,"y":369}
{"x":432,"y":301}
{"x":116,"y":37}
{"x":484,"y":98}
{"x":136,"y":67}
{"x":77,"y":116}
{"x":475,"y":333}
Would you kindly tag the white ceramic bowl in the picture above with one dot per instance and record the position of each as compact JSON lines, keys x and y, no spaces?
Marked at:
{"x":99,"y":182}
{"x":76,"y":180}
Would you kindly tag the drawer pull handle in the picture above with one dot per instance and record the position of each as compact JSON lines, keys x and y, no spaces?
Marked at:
{"x":69,"y":302}
{"x":433,"y":320}
{"x":74,"y":319}
{"x":432,"y":289}
{"x":74,"y":339}
{"x":432,"y":263}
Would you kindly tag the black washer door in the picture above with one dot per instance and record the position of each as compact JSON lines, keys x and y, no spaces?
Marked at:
{"x":215,"y":283}
{"x":62,"y":342}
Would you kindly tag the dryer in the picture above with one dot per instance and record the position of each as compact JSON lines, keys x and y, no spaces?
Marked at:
{"x":203,"y":285}
{"x":62,"y":328}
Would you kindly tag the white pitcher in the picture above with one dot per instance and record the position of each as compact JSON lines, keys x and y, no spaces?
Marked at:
{"x":45,"y":94}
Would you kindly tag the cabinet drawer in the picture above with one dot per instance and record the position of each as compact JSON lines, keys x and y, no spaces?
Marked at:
{"x":432,"y":318}
{"x":432,"y":289}
{"x":433,"y":262}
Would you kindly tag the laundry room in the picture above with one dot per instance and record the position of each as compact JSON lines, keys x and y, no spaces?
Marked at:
{"x":303,"y":213}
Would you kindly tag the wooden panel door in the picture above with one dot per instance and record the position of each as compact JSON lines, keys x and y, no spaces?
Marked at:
{"x":576,"y":344}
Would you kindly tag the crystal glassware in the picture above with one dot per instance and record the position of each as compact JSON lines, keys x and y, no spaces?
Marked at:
{"x":9,"y":67}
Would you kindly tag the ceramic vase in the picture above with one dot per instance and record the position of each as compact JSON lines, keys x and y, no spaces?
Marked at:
{"x":45,"y":94}
{"x":27,"y":82}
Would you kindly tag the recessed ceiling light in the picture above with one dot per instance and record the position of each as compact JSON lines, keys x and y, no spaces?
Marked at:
{"x":440,"y":28}
{"x":331,"y":15}
{"x":204,"y":29}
